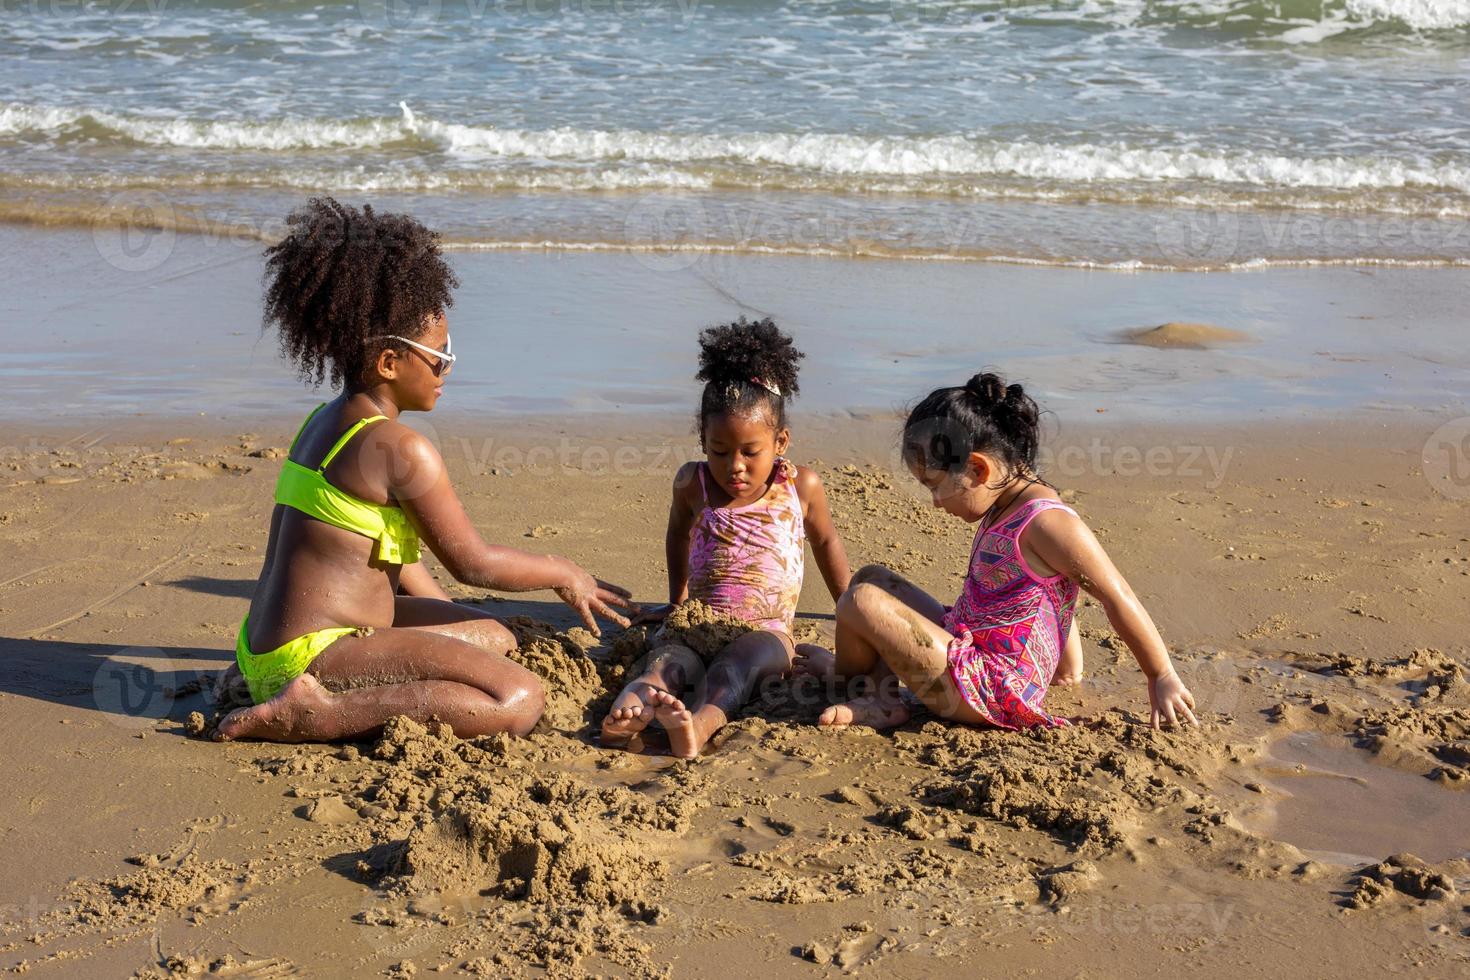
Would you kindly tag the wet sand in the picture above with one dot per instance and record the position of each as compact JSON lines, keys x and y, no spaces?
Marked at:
{"x":1310,"y":583}
{"x":170,"y":326}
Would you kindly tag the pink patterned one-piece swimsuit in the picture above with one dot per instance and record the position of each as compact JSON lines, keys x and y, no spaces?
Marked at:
{"x":1009,"y":625}
{"x":747,"y":561}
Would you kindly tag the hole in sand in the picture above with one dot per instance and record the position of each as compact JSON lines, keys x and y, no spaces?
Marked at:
{"x":1336,"y":804}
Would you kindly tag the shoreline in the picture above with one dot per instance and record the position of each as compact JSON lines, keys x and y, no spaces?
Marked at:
{"x":537,"y":333}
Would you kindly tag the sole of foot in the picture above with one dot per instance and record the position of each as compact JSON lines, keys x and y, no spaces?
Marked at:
{"x":678,"y":721}
{"x":866,"y":712}
{"x":629,"y":715}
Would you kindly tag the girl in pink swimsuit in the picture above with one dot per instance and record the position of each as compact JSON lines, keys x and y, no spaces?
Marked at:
{"x":738,"y":527}
{"x":989,"y":658}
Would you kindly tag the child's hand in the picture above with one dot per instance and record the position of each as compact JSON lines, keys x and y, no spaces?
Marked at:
{"x":590,"y":595}
{"x":652,"y":614}
{"x":1170,"y":700}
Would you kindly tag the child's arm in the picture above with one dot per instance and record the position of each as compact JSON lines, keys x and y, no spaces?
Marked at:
{"x":676,"y":538}
{"x":429,"y":499}
{"x":1063,"y":543}
{"x":415,"y":580}
{"x":822,"y":533}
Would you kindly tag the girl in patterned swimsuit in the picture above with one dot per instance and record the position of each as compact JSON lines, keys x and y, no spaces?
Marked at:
{"x":991,"y":657}
{"x":736,"y":535}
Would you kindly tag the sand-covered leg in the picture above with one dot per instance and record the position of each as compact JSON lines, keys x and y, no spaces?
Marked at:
{"x":423,"y":675}
{"x":877,"y":628}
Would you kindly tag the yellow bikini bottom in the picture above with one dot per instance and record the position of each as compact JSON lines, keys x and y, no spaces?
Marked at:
{"x":267,"y":673}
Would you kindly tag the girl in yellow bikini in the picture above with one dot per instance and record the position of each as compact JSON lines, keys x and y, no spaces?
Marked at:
{"x":346,"y":629}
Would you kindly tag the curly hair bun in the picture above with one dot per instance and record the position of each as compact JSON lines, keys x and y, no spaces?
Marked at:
{"x":745,"y":352}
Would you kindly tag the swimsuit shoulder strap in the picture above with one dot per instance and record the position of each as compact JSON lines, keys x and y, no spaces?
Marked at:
{"x":304,"y":425}
{"x":703,"y":486}
{"x":1027,"y":512}
{"x":346,"y":438}
{"x":788,"y":476}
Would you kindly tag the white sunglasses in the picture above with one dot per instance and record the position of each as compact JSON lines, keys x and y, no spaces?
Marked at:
{"x":445,"y":358}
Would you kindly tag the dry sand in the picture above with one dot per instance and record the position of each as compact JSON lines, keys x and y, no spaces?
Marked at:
{"x":1317,"y":823}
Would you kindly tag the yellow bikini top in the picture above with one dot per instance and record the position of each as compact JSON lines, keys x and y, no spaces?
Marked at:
{"x":308,"y":491}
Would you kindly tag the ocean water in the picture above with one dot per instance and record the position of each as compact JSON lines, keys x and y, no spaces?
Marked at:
{"x":1182,"y":134}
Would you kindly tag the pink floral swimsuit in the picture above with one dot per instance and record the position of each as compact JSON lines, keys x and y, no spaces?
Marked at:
{"x":1009,"y":625}
{"x":747,"y":561}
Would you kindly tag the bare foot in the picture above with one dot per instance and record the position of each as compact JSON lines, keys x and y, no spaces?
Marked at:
{"x":813,"y":659}
{"x":684,"y":738}
{"x":630,"y":714}
{"x":279,"y":719}
{"x":870,"y":712}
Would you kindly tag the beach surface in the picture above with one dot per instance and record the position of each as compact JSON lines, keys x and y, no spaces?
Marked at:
{"x":1310,"y":584}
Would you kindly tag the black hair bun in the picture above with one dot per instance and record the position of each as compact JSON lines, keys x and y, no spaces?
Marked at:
{"x":989,"y":389}
{"x":746,"y":352}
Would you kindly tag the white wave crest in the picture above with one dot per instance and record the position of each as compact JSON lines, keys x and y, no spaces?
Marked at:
{"x":1423,"y":15}
{"x":207,"y":134}
{"x":750,"y":159}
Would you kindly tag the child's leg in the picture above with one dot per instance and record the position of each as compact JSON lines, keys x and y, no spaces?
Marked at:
{"x":729,"y":680}
{"x":812,"y":659}
{"x":880,"y":635}
{"x":1069,"y":666}
{"x":462,"y":622}
{"x":391,"y":672}
{"x":669,"y":669}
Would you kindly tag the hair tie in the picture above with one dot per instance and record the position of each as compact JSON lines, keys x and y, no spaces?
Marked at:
{"x":762,"y":382}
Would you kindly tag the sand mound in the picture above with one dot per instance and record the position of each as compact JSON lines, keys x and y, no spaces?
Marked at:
{"x":1184,"y":336}
{"x":1087,"y":786}
{"x":481,"y":821}
{"x":571,"y":677}
{"x":698,"y":627}
{"x":1432,"y":741}
{"x":1403,"y":874}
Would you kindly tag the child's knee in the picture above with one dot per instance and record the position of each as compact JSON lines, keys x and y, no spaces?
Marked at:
{"x":873,"y":575}
{"x":862,"y":600}
{"x":499,"y":639}
{"x":524,"y":702}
